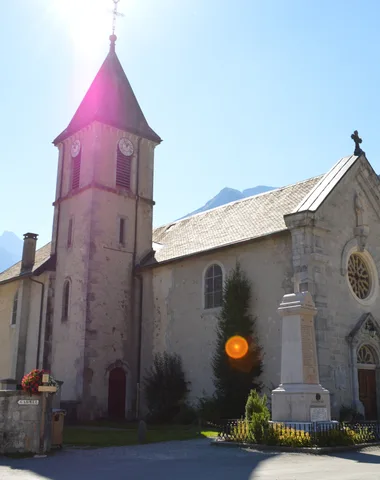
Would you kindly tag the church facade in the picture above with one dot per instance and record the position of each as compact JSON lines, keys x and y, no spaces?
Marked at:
{"x":95,"y":304}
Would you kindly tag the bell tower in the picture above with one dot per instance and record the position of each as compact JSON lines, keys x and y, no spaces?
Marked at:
{"x":102,"y":228}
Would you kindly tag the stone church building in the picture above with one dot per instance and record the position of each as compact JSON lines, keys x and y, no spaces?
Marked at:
{"x":95,"y":304}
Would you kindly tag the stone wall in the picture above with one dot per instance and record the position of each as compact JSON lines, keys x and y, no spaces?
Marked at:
{"x":18,"y":342}
{"x":20,"y":424}
{"x":182,"y":325}
{"x":8,"y":332}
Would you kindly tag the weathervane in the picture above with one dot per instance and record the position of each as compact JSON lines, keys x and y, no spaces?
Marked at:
{"x":115,"y":14}
{"x":355,"y":137}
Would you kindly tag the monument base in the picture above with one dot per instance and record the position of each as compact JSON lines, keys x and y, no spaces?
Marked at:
{"x":301,"y":403}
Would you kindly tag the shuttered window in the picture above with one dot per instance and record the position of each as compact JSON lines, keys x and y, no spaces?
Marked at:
{"x":75,"y":174}
{"x":123,"y":170}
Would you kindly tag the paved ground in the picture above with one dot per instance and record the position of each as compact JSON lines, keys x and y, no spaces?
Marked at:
{"x":192,"y":460}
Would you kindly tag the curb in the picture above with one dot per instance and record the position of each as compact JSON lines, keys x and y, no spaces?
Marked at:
{"x":279,"y":448}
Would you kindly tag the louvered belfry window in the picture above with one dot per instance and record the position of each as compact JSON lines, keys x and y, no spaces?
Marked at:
{"x":75,"y":178}
{"x":123,"y":170}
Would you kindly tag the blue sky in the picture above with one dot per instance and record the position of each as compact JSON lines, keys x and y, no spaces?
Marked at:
{"x":242,"y":92}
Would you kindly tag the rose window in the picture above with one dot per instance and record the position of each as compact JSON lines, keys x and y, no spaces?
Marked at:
{"x":359,"y":277}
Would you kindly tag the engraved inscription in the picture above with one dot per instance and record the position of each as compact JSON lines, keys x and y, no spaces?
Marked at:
{"x":318,"y":414}
{"x":309,"y":358}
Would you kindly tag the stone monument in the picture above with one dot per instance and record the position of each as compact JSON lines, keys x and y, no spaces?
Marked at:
{"x":300,"y":398}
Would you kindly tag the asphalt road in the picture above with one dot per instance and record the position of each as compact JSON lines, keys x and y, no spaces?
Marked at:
{"x":192,"y":460}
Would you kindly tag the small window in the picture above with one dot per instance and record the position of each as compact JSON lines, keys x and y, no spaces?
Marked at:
{"x":70,"y":233}
{"x":14,"y":309}
{"x":122,"y":231}
{"x":66,"y":301}
{"x":213,"y":286}
{"x":75,"y":174}
{"x":123,"y":170}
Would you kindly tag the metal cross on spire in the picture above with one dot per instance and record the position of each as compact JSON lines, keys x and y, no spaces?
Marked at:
{"x":115,"y":14}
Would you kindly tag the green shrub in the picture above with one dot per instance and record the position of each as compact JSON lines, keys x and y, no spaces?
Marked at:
{"x":165,"y":388}
{"x":240,"y":431}
{"x":235,"y":377}
{"x":344,"y":436}
{"x":209,"y":410}
{"x":349,"y":414}
{"x":187,"y":415}
{"x":257,"y":417}
{"x":283,"y":435}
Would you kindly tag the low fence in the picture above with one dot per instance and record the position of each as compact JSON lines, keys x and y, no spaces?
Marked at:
{"x":300,"y":434}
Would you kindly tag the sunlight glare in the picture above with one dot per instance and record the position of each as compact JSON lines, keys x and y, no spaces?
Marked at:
{"x":87,"y":22}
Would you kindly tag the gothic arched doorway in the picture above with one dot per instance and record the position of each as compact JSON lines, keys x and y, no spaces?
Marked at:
{"x":117,"y":383}
{"x":366,"y":364}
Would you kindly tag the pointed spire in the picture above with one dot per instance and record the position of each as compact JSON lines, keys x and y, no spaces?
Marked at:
{"x":110,"y":100}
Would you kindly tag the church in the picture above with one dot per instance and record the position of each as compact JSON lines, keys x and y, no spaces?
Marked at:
{"x":95,"y":304}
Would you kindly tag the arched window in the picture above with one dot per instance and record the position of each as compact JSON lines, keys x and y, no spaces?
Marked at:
{"x":66,"y":301}
{"x":14,"y":309}
{"x":365,"y":355}
{"x":213,"y":286}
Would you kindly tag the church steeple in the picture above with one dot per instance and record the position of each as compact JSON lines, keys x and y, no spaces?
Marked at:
{"x":110,"y":100}
{"x":102,"y":229}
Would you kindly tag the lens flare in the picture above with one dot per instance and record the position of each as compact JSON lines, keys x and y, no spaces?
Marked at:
{"x":236,"y":347}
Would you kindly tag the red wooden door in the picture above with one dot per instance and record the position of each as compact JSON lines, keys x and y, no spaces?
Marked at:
{"x":367,"y":393}
{"x":116,"y":393}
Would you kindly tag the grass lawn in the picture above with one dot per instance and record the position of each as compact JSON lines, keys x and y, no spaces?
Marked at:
{"x":127,"y":435}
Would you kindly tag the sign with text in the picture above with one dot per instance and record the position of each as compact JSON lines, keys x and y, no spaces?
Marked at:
{"x":318,"y":414}
{"x":28,"y":402}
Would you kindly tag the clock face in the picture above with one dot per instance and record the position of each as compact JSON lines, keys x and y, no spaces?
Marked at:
{"x":126,"y":147}
{"x":75,"y":148}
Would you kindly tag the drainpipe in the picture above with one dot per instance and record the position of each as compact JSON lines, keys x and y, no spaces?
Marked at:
{"x":40,"y":320}
{"x":139,"y":345}
{"x":134,"y":262}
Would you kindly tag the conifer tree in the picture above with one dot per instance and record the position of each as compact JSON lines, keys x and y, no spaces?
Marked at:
{"x":235,"y":378}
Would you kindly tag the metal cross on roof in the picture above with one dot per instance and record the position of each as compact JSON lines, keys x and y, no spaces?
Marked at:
{"x":115,"y":14}
{"x":355,"y":137}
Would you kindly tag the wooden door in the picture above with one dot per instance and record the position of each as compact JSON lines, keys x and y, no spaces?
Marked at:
{"x":367,"y":393}
{"x":116,"y":393}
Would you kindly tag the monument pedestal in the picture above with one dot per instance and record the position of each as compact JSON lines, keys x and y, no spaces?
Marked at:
{"x":299,"y":398}
{"x":300,"y":403}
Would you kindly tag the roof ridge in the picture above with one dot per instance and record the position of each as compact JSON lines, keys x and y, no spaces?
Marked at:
{"x":327,"y":183}
{"x":168,"y":224}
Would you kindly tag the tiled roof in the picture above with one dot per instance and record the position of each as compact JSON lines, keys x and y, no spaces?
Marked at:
{"x":42,"y":256}
{"x":229,"y":224}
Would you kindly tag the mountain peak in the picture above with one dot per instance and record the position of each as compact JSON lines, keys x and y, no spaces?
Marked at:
{"x":227,"y":195}
{"x":10,"y":249}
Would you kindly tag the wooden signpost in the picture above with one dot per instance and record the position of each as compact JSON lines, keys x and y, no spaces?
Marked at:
{"x":45,"y":390}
